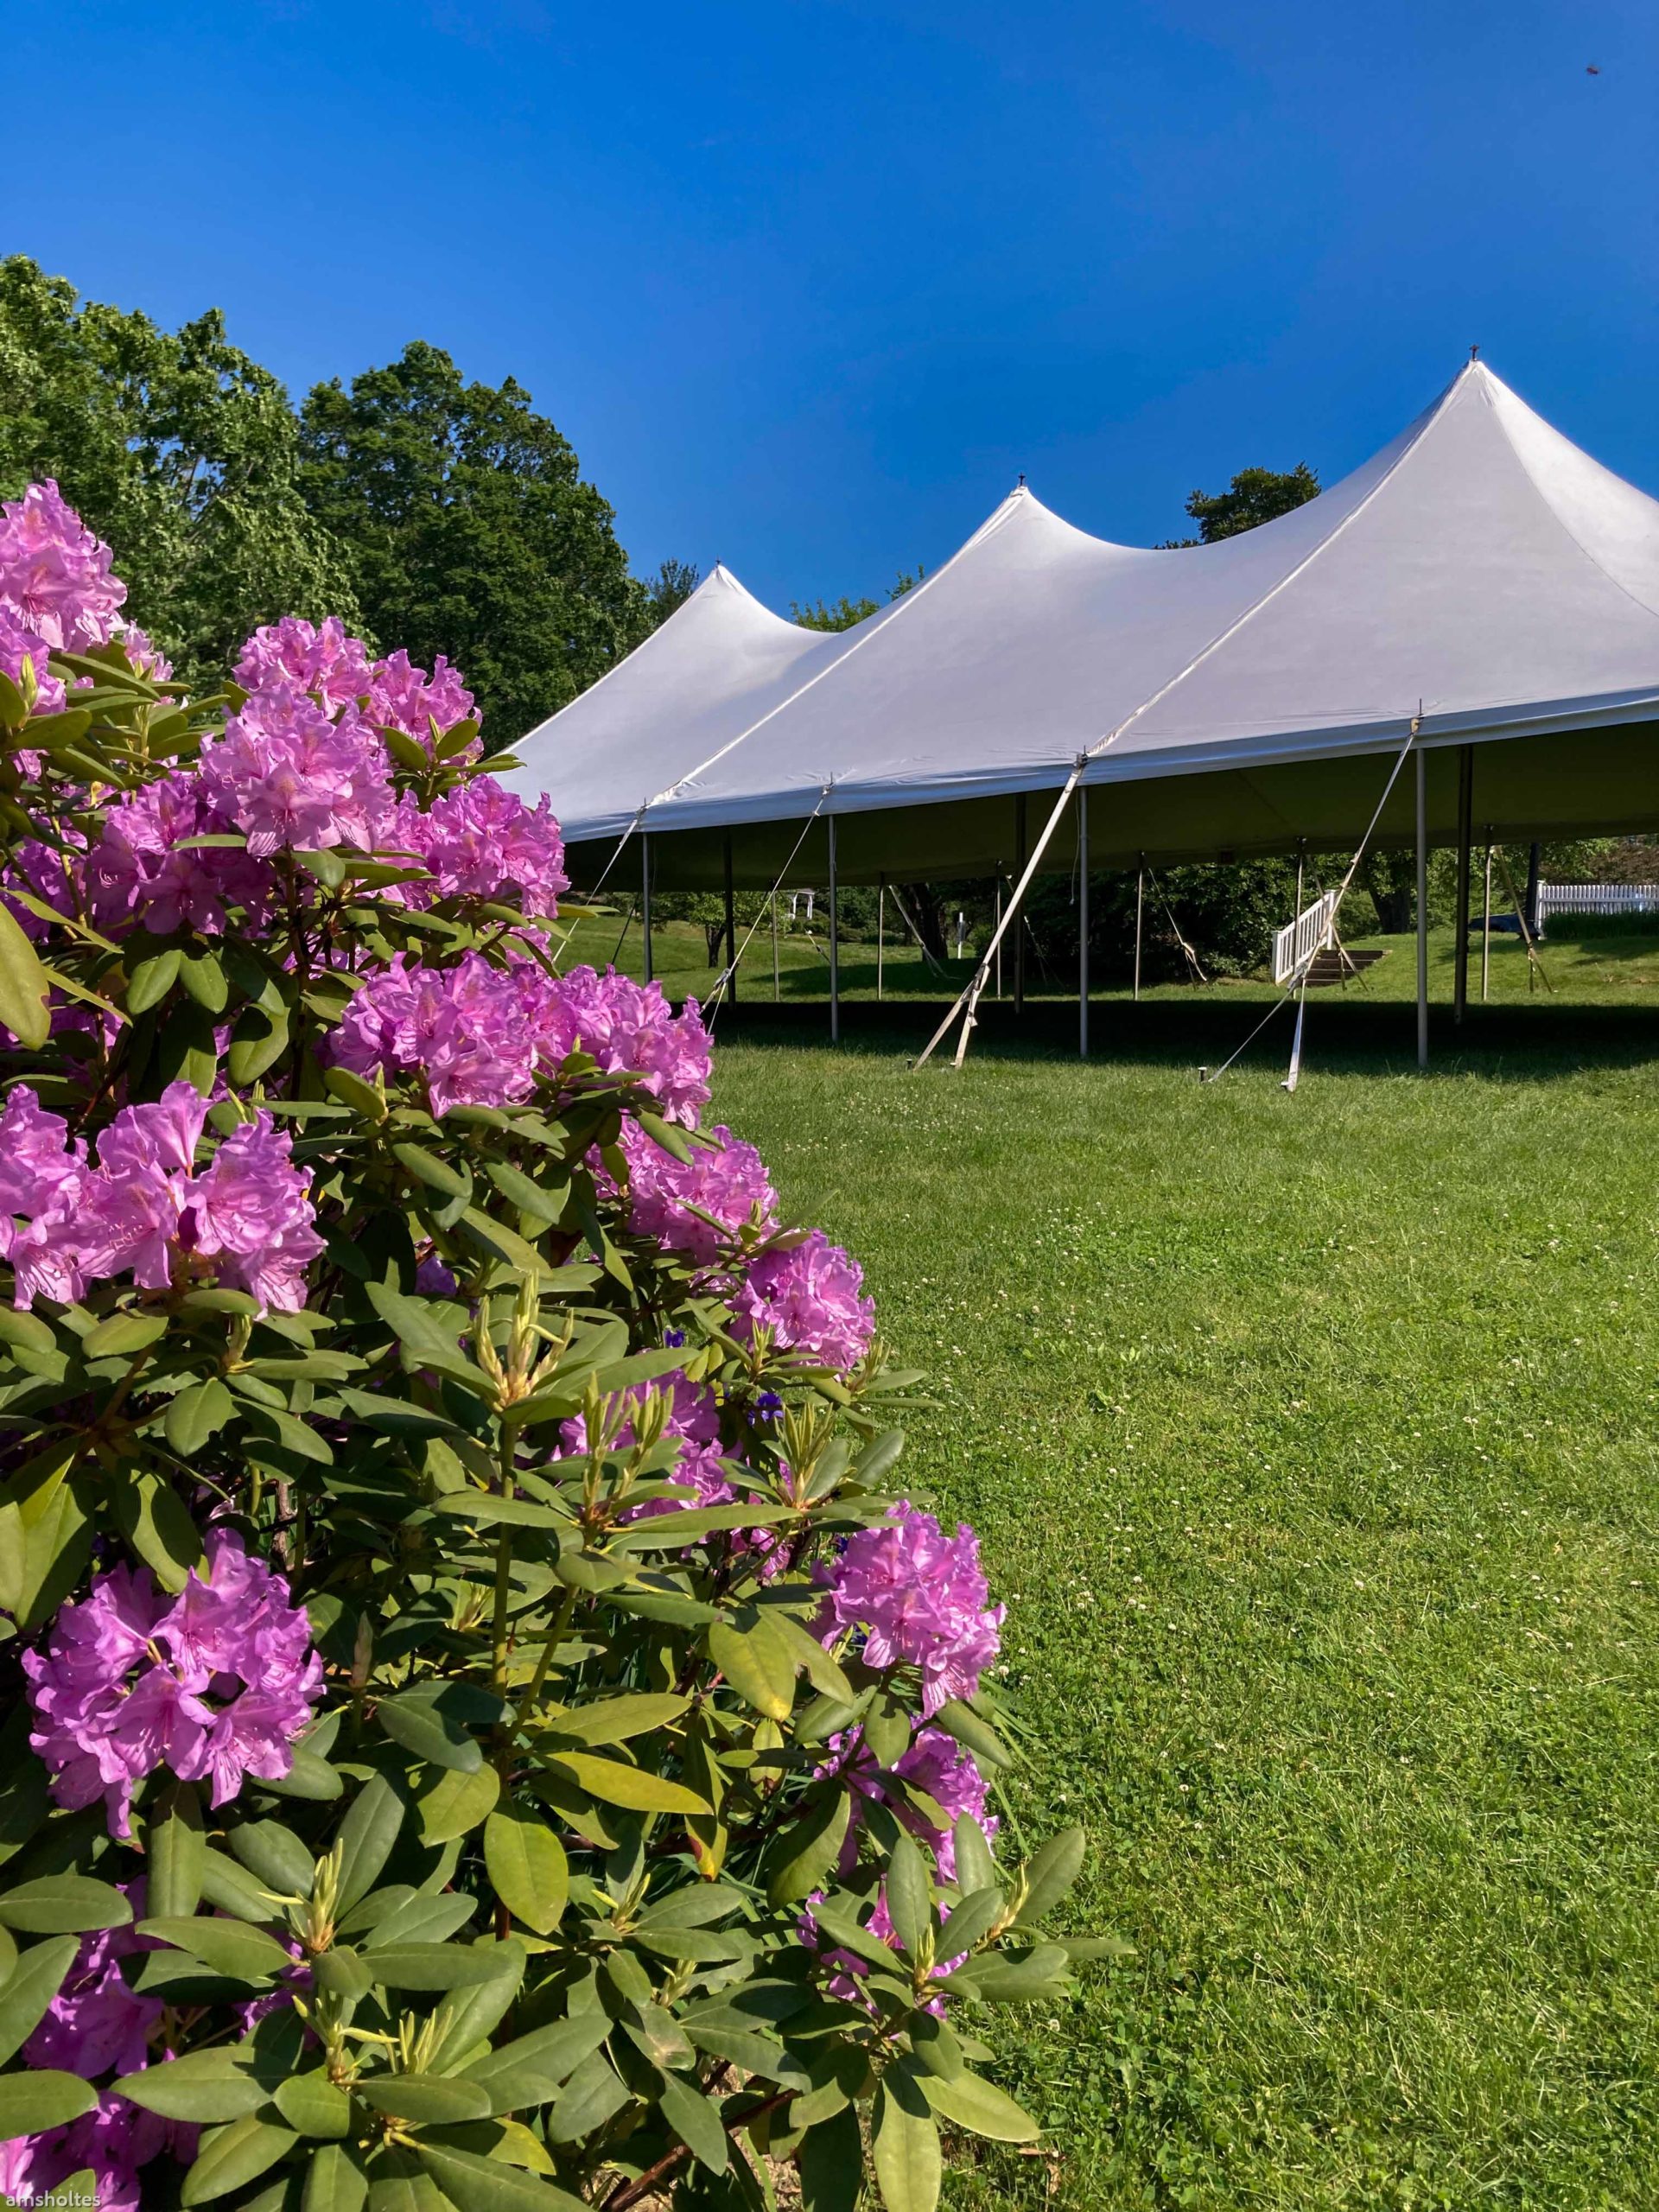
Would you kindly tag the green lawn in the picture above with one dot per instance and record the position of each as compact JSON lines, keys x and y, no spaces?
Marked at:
{"x":1313,"y":1442}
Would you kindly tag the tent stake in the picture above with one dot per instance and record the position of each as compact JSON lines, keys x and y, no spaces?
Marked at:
{"x":835,"y":945}
{"x":1140,"y":915}
{"x":1082,"y":923}
{"x":1486,"y":922}
{"x":645,"y":897}
{"x":1466,"y":835}
{"x":1422,"y":907}
{"x":881,"y":937}
{"x":731,"y":919}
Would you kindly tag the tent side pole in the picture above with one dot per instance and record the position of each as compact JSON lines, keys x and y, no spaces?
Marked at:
{"x":730,"y":922}
{"x":998,"y":923}
{"x":1082,"y":923}
{"x":880,"y":939}
{"x":834,"y":944}
{"x":1020,"y":933}
{"x":1301,"y":856}
{"x":777,"y":986}
{"x":1465,"y":839}
{"x":645,"y":897}
{"x":1422,"y":907}
{"x":1140,"y":919}
{"x":1486,"y":923}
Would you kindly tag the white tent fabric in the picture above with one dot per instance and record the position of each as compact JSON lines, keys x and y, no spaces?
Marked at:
{"x":1480,"y":565}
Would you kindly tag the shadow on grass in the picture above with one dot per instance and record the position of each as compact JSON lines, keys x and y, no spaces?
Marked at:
{"x":1536,"y":1041}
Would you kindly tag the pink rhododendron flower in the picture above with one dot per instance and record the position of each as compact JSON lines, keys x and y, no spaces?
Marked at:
{"x":217,"y":1684}
{"x":53,"y":876}
{"x":318,"y":657}
{"x":480,"y":840}
{"x":465,"y":1029}
{"x":114,"y":2142}
{"x":669,"y":1197}
{"x":55,"y":574}
{"x":251,"y":1212}
{"x":290,"y":777}
{"x":405,"y":697}
{"x":935,"y":1763}
{"x":136,"y":871}
{"x":143,"y":658}
{"x":43,"y":1184}
{"x":808,"y":1295}
{"x":98,"y":2024}
{"x":629,"y":1029}
{"x":19,"y":645}
{"x":918,"y":1596}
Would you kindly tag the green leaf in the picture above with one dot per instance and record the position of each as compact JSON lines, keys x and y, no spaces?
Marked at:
{"x":122,"y":1335}
{"x":529,"y":2069}
{"x":530,"y":1198}
{"x":276,"y":1855}
{"x":203,"y":977}
{"x":22,"y":987}
{"x":1051,"y":1873}
{"x":232,"y":1889}
{"x":64,"y":1904}
{"x":334,"y":2182}
{"x":630,"y":1787}
{"x":31,"y":2103}
{"x":366,"y":1835}
{"x":909,"y":1894}
{"x":959,"y":1720}
{"x":430,"y":1735}
{"x":205,"y":2086}
{"x":474,"y":2016}
{"x":975,"y":1867}
{"x":399,"y":2184}
{"x":974,"y":2104}
{"x":803,"y":1853}
{"x":309,"y":1776}
{"x":757,"y":1661}
{"x":326,"y":866}
{"x":259,"y":1039}
{"x":353,"y":1091}
{"x":755,"y":2054}
{"x":229,"y":1947}
{"x":695,"y":2120}
{"x":436,"y":1172}
{"x":974,"y":1917}
{"x":908,"y":2166}
{"x":152,"y":979}
{"x":475,"y":2185}
{"x":453,"y":1802}
{"x":527,"y":1868}
{"x":176,"y":1849}
{"x":159,"y":1527}
{"x":428,"y":2100}
{"x":29,"y":1987}
{"x":617,"y":1720}
{"x":830,"y":2161}
{"x":233,"y":2155}
{"x":435,"y":1966}
{"x":343,"y":1972}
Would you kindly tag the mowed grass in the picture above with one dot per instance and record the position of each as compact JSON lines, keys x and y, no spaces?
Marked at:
{"x":1312,"y":1444}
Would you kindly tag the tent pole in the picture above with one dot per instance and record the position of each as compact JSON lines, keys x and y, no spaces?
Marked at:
{"x":645,"y":896}
{"x":1020,"y":933}
{"x":1422,"y":907}
{"x":999,"y":948}
{"x":777,"y":988}
{"x":1082,"y":923}
{"x":1486,"y":923}
{"x":1140,"y":914}
{"x":834,"y":946}
{"x":1465,"y":838}
{"x":1302,"y":855}
{"x":881,"y":937}
{"x":731,"y":921}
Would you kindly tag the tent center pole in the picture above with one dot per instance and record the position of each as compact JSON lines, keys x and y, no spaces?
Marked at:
{"x":777,"y":988}
{"x":1140,"y":919}
{"x":1486,"y":923}
{"x":731,"y":923}
{"x":645,"y":897}
{"x":835,"y":945}
{"x":998,"y":921}
{"x":1082,"y":923}
{"x":880,"y":939}
{"x":1422,"y":906}
{"x":1465,"y":838}
{"x":1019,"y":926}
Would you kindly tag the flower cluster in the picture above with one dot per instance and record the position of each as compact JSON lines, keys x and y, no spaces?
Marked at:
{"x":215,"y":1685}
{"x":480,"y":1035}
{"x":112,"y":2143}
{"x":694,"y":1206}
{"x":290,"y":777}
{"x":480,"y":840}
{"x":55,"y":574}
{"x":23,"y":655}
{"x":336,"y":669}
{"x":810,"y":1294}
{"x":917,"y":1597}
{"x":246,"y":1219}
{"x":145,"y":870}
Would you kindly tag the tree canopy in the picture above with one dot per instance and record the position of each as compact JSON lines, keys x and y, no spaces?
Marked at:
{"x":1254,"y":496}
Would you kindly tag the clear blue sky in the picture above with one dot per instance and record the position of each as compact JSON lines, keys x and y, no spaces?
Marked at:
{"x":807,"y":285}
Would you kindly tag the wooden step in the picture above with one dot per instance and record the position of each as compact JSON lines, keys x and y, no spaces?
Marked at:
{"x":1338,"y":964}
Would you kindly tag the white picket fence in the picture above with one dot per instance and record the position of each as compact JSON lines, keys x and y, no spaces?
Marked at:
{"x":1595,"y":899}
{"x":1298,"y":941}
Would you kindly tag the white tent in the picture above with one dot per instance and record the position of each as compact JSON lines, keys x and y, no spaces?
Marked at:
{"x":1216,"y":701}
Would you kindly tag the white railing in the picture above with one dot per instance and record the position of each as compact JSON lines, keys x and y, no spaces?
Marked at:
{"x":1295,"y":946}
{"x":1595,"y":899}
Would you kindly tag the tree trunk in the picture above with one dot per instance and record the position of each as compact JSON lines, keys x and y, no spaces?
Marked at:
{"x":1390,"y":878}
{"x":929,"y":918}
{"x":714,"y":935}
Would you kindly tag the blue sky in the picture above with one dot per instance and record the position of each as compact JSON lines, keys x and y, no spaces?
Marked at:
{"x":808,"y":285}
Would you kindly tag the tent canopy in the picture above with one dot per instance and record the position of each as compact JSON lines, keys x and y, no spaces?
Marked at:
{"x":1234,"y":697}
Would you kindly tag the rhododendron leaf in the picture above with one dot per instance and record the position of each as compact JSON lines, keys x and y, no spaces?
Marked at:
{"x":909,"y":2164}
{"x":333,"y":2181}
{"x":122,"y":1334}
{"x":206,"y":2086}
{"x":23,"y":985}
{"x":13,"y":708}
{"x":426,"y":2099}
{"x":968,"y":2102}
{"x":544,"y":2059}
{"x":830,"y":2163}
{"x":187,"y":1049}
{"x":975,"y":1867}
{"x":540,"y":1205}
{"x":477,"y":2184}
{"x":415,"y":1324}
{"x":1082,"y":1949}
{"x":314,"y":2106}
{"x":453,"y":1803}
{"x":151,"y":980}
{"x":422,"y":1919}
{"x":44,"y":2098}
{"x":429,"y":1735}
{"x":157,"y":1525}
{"x":198,"y":1412}
{"x":632,"y":1788}
{"x":695,"y":2120}
{"x":497,"y":1241}
{"x":343,"y":1972}
{"x":1051,"y":1872}
{"x":64,"y":1904}
{"x":974,"y":1917}
{"x":803,"y":1853}
{"x":258,"y":1042}
{"x":326,"y":866}
{"x":616,"y":1719}
{"x":35,"y":1976}
{"x":354,"y":1092}
{"x":26,"y":1329}
{"x":426,"y":1168}
{"x":959,"y":1720}
{"x":229,"y":1947}
{"x":203,"y":977}
{"x":309,"y":1776}
{"x":276,"y":1855}
{"x":230,"y":2156}
{"x":663,"y":1134}
{"x":435,"y":1966}
{"x":755,"y":1658}
{"x":231,"y":1889}
{"x":527,"y":1867}
{"x":755,"y":2054}
{"x":933,"y":2043}
{"x":175,"y":1849}
{"x":820,"y":1666}
{"x":910,"y":1897}
{"x":1017,"y":1981}
{"x":366,"y":1836}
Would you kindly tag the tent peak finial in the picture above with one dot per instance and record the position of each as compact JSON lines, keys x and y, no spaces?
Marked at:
{"x":1474,"y":352}
{"x":1020,"y":486}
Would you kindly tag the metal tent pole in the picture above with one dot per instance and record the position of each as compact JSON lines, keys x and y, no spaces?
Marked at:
{"x":1019,"y":926}
{"x":999,"y":936}
{"x":1486,"y":923}
{"x":834,"y":946}
{"x":1140,"y":915}
{"x":1422,"y":907}
{"x":1302,"y":855}
{"x":731,"y":924}
{"x":645,"y":897}
{"x":777,"y":987}
{"x":1082,"y":923}
{"x":1465,"y":838}
{"x":881,"y":937}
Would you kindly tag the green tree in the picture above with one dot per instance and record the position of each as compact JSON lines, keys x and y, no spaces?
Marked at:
{"x":176,"y":446}
{"x":472,"y":533}
{"x":1254,"y":496}
{"x":844,"y":613}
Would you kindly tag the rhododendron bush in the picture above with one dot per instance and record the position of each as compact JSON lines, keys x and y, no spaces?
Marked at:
{"x":483,"y":1728}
